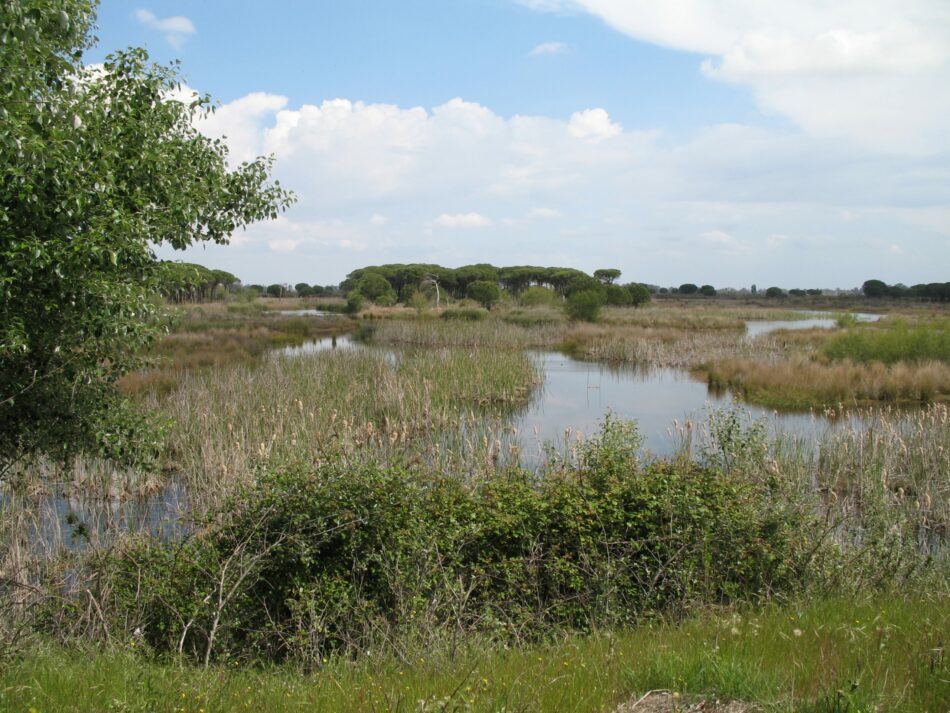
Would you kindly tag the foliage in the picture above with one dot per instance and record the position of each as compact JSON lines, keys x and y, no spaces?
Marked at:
{"x":639,"y":294}
{"x":607,"y":275}
{"x":688,"y":288}
{"x":98,"y":166}
{"x":585,"y":305}
{"x":373,"y":286}
{"x":537,"y":295}
{"x":332,"y":555}
{"x":354,"y":303}
{"x":484,"y":292}
{"x":707,"y":291}
{"x":773,"y":292}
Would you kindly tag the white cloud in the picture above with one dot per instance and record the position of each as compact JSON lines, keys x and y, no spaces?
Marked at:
{"x":286,"y":245}
{"x":661,"y":211}
{"x":545,"y":213}
{"x":593,"y":125}
{"x":876,"y":72}
{"x":462,"y":220}
{"x":175,"y":29}
{"x":546,"y":48}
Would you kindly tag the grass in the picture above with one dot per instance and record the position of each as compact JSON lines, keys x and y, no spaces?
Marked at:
{"x":803,"y":383}
{"x":882,"y":653}
{"x":894,"y":341}
{"x":895,"y":360}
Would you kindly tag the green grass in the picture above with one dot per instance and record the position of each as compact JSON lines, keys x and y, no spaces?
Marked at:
{"x":829,"y":656}
{"x":893,"y":341}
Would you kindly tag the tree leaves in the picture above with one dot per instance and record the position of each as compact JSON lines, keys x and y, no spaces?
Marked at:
{"x":97,"y":167}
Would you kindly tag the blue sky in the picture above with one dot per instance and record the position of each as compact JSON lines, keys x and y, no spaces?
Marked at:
{"x":700,"y":141}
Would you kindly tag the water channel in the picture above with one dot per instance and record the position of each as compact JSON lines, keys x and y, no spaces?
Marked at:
{"x":573,"y":399}
{"x":575,"y":395}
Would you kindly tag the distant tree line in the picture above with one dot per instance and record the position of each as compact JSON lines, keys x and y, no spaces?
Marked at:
{"x":301,"y":289}
{"x":930,"y":292}
{"x":189,"y":282}
{"x":485,"y":284}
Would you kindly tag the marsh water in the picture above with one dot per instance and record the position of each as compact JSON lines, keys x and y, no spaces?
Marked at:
{"x":575,"y":395}
{"x":572,"y":401}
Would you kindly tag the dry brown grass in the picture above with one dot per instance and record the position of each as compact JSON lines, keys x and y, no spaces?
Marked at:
{"x":800,"y":382}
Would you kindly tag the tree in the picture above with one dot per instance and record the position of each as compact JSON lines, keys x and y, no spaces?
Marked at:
{"x":639,"y":294}
{"x":688,"y":288}
{"x":96,"y":168}
{"x":774,"y":292}
{"x":607,"y":275}
{"x":874,"y":288}
{"x":303,"y":289}
{"x":373,"y":286}
{"x":485,"y":292}
{"x":585,"y":305}
{"x":707,"y":291}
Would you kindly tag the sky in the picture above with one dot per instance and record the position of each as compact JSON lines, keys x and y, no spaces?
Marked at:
{"x":729,"y":142}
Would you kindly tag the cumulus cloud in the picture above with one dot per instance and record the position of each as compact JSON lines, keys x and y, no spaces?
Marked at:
{"x":546,"y":48}
{"x":593,"y":125}
{"x":872,"y":71}
{"x":462,"y":220}
{"x":545,"y":213}
{"x":401,"y":184}
{"x":175,"y":29}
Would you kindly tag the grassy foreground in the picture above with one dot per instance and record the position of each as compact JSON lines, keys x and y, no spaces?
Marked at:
{"x":881,"y":654}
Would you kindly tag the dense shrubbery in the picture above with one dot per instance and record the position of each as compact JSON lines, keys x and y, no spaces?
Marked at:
{"x":332,"y":558}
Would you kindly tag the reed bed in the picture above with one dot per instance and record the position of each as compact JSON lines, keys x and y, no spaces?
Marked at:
{"x":898,"y":463}
{"x":444,"y":408}
{"x":488,"y":334}
{"x":665,"y":347}
{"x":801,"y":382}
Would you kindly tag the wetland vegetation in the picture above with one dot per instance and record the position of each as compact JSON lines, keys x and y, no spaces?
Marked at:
{"x":219,"y":498}
{"x":364,"y":512}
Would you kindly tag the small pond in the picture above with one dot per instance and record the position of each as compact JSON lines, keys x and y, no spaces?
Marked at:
{"x":576,"y":395}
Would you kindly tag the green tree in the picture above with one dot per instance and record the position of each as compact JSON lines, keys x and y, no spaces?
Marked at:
{"x":485,"y":292}
{"x":96,"y":168}
{"x":585,"y":305}
{"x":707,"y":291}
{"x":608,"y":275}
{"x":373,"y":286}
{"x":874,"y":288}
{"x":773,"y":292}
{"x":688,"y":288}
{"x":639,"y":294}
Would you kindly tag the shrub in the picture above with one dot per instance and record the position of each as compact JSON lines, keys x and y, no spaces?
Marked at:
{"x":315,"y":559}
{"x":354,"y":303}
{"x":585,"y":305}
{"x":537,"y":295}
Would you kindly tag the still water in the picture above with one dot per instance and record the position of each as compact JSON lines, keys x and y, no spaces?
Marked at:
{"x":576,"y":395}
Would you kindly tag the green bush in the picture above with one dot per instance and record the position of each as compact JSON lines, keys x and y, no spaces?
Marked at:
{"x":585,"y":305}
{"x":537,"y":295}
{"x":331,"y":557}
{"x":354,"y":303}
